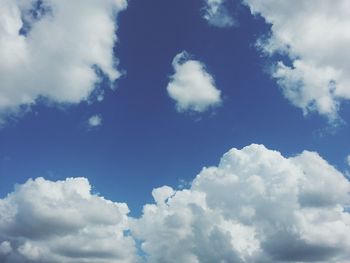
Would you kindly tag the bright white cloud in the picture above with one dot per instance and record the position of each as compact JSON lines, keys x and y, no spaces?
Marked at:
{"x":50,"y":50}
{"x":95,"y":121}
{"x":316,"y":37}
{"x":256,"y":206}
{"x":192,"y":87}
{"x":44,"y":221}
{"x":217,"y":14}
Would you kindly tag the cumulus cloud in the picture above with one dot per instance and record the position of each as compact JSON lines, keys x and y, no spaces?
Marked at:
{"x":255,"y":206}
{"x":315,"y":38}
{"x":49,"y":50}
{"x":63,"y":222}
{"x":192,"y":87}
{"x":216,"y":13}
{"x":95,"y":121}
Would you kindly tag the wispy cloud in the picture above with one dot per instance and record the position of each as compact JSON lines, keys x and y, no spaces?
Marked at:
{"x":95,"y":121}
{"x":217,"y":14}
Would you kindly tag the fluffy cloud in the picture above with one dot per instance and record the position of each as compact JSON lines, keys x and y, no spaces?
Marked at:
{"x":216,"y":13}
{"x":192,"y":87}
{"x":49,"y":50}
{"x":256,"y":206}
{"x":95,"y":121}
{"x":44,"y":221}
{"x":315,"y":37}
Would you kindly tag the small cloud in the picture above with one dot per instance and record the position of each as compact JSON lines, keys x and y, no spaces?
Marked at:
{"x":217,"y":14}
{"x":348,"y":160}
{"x":100,"y":97}
{"x":95,"y":121}
{"x":192,"y":87}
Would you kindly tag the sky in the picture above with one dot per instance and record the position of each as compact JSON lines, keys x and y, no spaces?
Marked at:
{"x":137,"y":102}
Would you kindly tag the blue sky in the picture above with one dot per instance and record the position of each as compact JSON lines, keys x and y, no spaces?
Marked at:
{"x":143,"y":141}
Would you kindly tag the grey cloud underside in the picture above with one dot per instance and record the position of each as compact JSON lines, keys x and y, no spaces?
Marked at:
{"x":45,"y":221}
{"x":249,"y":209}
{"x":255,"y":206}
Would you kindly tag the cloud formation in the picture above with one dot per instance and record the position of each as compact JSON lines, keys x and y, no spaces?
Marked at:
{"x":256,"y":206}
{"x":216,"y":13}
{"x":192,"y":87}
{"x":315,"y":38}
{"x":63,"y":222}
{"x":48,"y":51}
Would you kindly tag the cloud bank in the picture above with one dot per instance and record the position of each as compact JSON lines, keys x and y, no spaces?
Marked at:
{"x":216,"y":13}
{"x":315,"y":37}
{"x":192,"y":87}
{"x":255,"y":206}
{"x":48,"y":51}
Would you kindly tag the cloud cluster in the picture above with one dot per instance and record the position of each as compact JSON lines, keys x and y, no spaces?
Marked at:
{"x":256,"y":206}
{"x":192,"y":87}
{"x":48,"y":51}
{"x":315,"y":37}
{"x":216,"y":13}
{"x":44,"y":221}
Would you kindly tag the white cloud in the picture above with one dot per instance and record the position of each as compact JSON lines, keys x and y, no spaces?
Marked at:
{"x":44,"y":221}
{"x":192,"y":87}
{"x":95,"y":121}
{"x":216,"y":13}
{"x":348,"y":160}
{"x":53,"y":51}
{"x":5,"y":248}
{"x":256,"y":206}
{"x":316,"y":37}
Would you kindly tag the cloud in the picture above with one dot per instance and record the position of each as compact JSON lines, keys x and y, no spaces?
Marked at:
{"x":315,"y":38}
{"x":95,"y":121}
{"x":49,"y":50}
{"x":192,"y":87}
{"x":256,"y":206}
{"x":216,"y":13}
{"x":63,"y":222}
{"x":348,"y":160}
